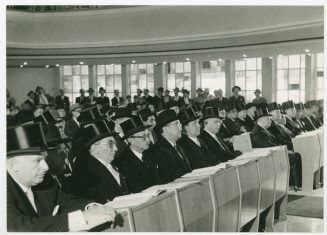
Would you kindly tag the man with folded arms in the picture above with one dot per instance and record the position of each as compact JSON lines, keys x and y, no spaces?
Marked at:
{"x":138,"y":168}
{"x":197,"y":150}
{"x":33,"y":206}
{"x":211,"y":125}
{"x":169,"y":155}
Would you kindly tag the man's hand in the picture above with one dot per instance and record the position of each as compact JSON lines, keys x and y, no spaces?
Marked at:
{"x":97,"y":215}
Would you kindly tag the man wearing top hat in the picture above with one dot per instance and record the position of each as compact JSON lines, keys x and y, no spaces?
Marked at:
{"x":219,"y":97}
{"x":211,"y":124}
{"x":62,"y":101}
{"x":158,"y":98}
{"x":261,"y":137}
{"x":91,"y":99}
{"x":173,"y":105}
{"x":289,"y":108}
{"x":169,"y":155}
{"x":33,"y":206}
{"x":236,"y":98}
{"x":72,"y":124}
{"x":81,"y":99}
{"x":197,"y":150}
{"x":186,"y":101}
{"x":102,"y":99}
{"x":167,"y":97}
{"x":230,"y":121}
{"x":95,"y":177}
{"x":258,"y":99}
{"x":312,"y":108}
{"x":138,"y":168}
{"x":177,"y":98}
{"x":241,"y":116}
{"x":116,"y":101}
{"x":305,"y":118}
{"x":148,"y":119}
{"x":250,"y":114}
{"x":200,"y":98}
{"x":147,"y":98}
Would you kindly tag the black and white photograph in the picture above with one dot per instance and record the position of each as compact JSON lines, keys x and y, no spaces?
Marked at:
{"x":157,"y":116}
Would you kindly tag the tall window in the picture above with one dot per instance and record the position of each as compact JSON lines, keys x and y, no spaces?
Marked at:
{"x":291,"y":78}
{"x":213,"y":75}
{"x":248,"y":77}
{"x":320,"y":75}
{"x":74,"y":78}
{"x":179,"y":75}
{"x":141,"y":78}
{"x":109,"y":77}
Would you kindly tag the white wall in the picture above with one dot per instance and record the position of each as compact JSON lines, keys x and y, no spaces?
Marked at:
{"x":21,"y":80}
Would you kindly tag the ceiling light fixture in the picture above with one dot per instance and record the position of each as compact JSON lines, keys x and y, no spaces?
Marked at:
{"x":244,"y":56}
{"x":164,"y":62}
{"x":25,"y":63}
{"x":270,"y":57}
{"x":57,"y":65}
{"x":81,"y":62}
{"x":21,"y":66}
{"x":187,"y":59}
{"x":47,"y":66}
{"x":309,"y":54}
{"x":133,"y":61}
{"x":307,"y":50}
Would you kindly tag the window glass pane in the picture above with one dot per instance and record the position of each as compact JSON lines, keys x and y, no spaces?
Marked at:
{"x":240,"y":79}
{"x":302,"y":79}
{"x":150,"y":68}
{"x":101,"y":81}
{"x":187,"y":67}
{"x":117,"y":69}
{"x":109,"y":69}
{"x":142,"y":81}
{"x":118,"y":84}
{"x":134,"y":84}
{"x":282,"y":62}
{"x":259,"y":63}
{"x":85,"y":82}
{"x":294,"y":95}
{"x":239,"y":65}
{"x":100,"y":69}
{"x":187,"y":81}
{"x":282,"y":96}
{"x":134,"y":68}
{"x":320,"y":83}
{"x":77,"y":83}
{"x":302,"y":61}
{"x":171,"y":68}
{"x":142,"y":68}
{"x":249,"y":96}
{"x":109,"y":83}
{"x":294,"y":77}
{"x":294,"y":61}
{"x":84,"y":69}
{"x":302,"y":95}
{"x":251,"y":80}
{"x":251,"y":64}
{"x":179,"y":67}
{"x":320,"y":60}
{"x":68,"y":70}
{"x":171,"y":81}
{"x":76,"y":70}
{"x":259,"y":80}
{"x":68,"y":83}
{"x":282,"y":79}
{"x":179,"y":80}
{"x":320,"y":94}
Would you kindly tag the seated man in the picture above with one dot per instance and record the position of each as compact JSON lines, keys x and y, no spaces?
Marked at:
{"x":302,"y":119}
{"x":169,"y":155}
{"x":139,"y":170}
{"x":241,"y":116}
{"x":72,"y":124}
{"x":211,"y":125}
{"x":94,"y":176}
{"x":33,"y":206}
{"x":148,"y":119}
{"x":233,"y":127}
{"x":197,"y":150}
{"x":289,"y":108}
{"x":250,"y":113}
{"x":262,"y":138}
{"x":311,"y":122}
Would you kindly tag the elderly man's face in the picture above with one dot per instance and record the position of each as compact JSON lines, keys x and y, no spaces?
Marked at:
{"x":176,"y":92}
{"x":236,"y":91}
{"x":29,"y":169}
{"x":290,"y":112}
{"x":176,"y":109}
{"x":241,"y":114}
{"x":61,"y":92}
{"x":105,"y":148}
{"x":265,"y":121}
{"x":174,"y":129}
{"x":193,"y":128}
{"x":275,"y":115}
{"x":250,"y":111}
{"x":150,"y":121}
{"x":116,"y":92}
{"x":186,"y":95}
{"x":232,"y":114}
{"x":167,"y":93}
{"x":220,"y":92}
{"x":212,"y":125}
{"x":32,"y":95}
{"x":140,"y":141}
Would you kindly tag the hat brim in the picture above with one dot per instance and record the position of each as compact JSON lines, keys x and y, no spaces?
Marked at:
{"x":185,"y":122}
{"x":162,"y":124}
{"x":210,"y":116}
{"x":97,"y":138}
{"x":266,"y":115}
{"x":60,"y":141}
{"x":120,"y":116}
{"x":135,"y":130}
{"x":33,"y":150}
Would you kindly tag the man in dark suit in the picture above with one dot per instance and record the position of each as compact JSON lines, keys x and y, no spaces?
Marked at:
{"x":158,"y":99}
{"x":236,"y":98}
{"x":81,"y":98}
{"x":94,"y":176}
{"x":62,"y":101}
{"x":139,"y":170}
{"x":91,"y":99}
{"x":250,"y":113}
{"x":169,"y":155}
{"x":102,"y":99}
{"x":302,"y":119}
{"x":38,"y":205}
{"x":167,"y":98}
{"x":116,"y":101}
{"x":310,"y":113}
{"x":211,"y":125}
{"x":186,"y":102}
{"x":177,"y":98}
{"x":72,"y":124}
{"x":230,"y":121}
{"x":289,"y":108}
{"x":197,"y":150}
{"x":262,"y":138}
{"x":258,"y":99}
{"x":147,"y":98}
{"x":148,"y":119}
{"x":219,"y":97}
{"x":31,"y":99}
{"x":241,"y":116}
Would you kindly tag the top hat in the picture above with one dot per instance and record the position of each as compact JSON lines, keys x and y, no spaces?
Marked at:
{"x":307,"y":105}
{"x":234,"y":87}
{"x":250,"y":105}
{"x":210,"y":103}
{"x":90,"y":114}
{"x":299,"y":106}
{"x":230,"y":107}
{"x":94,"y":131}
{"x":132,"y":126}
{"x":187,"y":115}
{"x":48,"y":117}
{"x":196,"y":107}
{"x":185,"y":91}
{"x":240,"y":107}
{"x":199,"y":89}
{"x":209,"y":112}
{"x":53,"y":136}
{"x":166,"y":117}
{"x":176,"y":89}
{"x":121,"y":113}
{"x":144,"y":113}
{"x":172,"y":103}
{"x":160,"y":89}
{"x":313,"y":102}
{"x":90,"y":89}
{"x":261,"y":111}
{"x":321,"y":102}
{"x":257,"y":91}
{"x":272,"y":106}
{"x":75,"y":106}
{"x":282,"y":111}
{"x":288,"y":105}
{"x":102,"y":89}
{"x":26,"y":139}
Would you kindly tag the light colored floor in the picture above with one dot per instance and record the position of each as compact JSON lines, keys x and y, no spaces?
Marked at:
{"x":315,"y":193}
{"x":300,"y":224}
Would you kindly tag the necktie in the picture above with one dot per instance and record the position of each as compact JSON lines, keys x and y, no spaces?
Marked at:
{"x":30,"y":197}
{"x":186,"y":162}
{"x":221,"y":144}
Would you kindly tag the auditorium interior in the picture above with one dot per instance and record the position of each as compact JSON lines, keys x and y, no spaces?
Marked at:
{"x":211,"y":58}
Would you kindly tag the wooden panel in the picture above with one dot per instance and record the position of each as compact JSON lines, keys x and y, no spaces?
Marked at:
{"x":249,"y":180}
{"x":267,"y":175}
{"x":228,"y":199}
{"x":308,"y":146}
{"x":242,"y":142}
{"x":158,"y":215}
{"x":197,"y":207}
{"x":281,"y":164}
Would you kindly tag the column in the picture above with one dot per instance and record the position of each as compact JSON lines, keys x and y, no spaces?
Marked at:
{"x":229,"y":75}
{"x":268,"y":86}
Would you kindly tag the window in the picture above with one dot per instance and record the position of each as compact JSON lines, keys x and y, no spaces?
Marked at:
{"x":291,"y":78}
{"x":213,"y":75}
{"x":179,"y":75}
{"x":74,"y":77}
{"x":142,"y":77}
{"x":248,"y":77}
{"x":110,"y":78}
{"x":320,"y":75}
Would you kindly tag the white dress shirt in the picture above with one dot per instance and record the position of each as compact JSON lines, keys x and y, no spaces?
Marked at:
{"x":195,"y":140}
{"x":137,"y":154}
